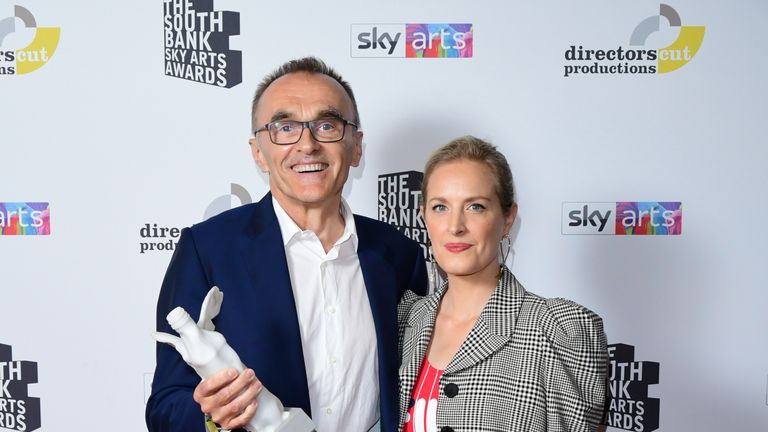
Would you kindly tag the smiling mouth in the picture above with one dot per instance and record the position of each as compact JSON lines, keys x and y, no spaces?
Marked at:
{"x":309,"y":168}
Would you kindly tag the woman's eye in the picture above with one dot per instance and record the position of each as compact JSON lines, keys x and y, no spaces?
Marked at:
{"x":439,"y":208}
{"x":476,"y":207}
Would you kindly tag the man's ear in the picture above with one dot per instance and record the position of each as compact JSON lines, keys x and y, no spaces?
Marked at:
{"x":357,"y":154}
{"x":258,"y":156}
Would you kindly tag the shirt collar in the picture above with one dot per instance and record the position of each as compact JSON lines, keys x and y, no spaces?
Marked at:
{"x":289,"y":229}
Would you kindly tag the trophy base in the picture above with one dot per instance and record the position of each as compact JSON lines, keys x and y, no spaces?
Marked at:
{"x":295,"y":420}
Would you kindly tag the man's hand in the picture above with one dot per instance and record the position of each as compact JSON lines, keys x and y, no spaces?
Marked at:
{"x":229,"y":398}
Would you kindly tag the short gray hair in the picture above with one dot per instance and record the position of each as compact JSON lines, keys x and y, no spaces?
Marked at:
{"x":311,"y":65}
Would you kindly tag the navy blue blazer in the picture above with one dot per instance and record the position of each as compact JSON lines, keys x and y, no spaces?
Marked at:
{"x":241,"y":251}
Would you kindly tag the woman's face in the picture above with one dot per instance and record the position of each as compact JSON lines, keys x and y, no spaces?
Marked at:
{"x":464,"y":217}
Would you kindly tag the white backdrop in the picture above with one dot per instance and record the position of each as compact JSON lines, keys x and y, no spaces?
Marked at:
{"x":112,"y":143}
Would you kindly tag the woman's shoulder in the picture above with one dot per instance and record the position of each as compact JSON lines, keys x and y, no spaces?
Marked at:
{"x":558,"y":318}
{"x":414,"y":307}
{"x":566,"y":311}
{"x":562,"y":320}
{"x":411,"y":304}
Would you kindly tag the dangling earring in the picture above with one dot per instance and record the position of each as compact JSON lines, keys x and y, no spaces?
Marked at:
{"x":432,"y":273}
{"x":505,"y":246}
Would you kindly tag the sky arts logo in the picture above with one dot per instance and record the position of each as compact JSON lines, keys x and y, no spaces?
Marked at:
{"x":25,"y":47}
{"x":25,"y":218}
{"x":623,"y":218}
{"x":197,"y":43}
{"x":18,"y":411}
{"x":637,"y":58}
{"x":412,"y":40}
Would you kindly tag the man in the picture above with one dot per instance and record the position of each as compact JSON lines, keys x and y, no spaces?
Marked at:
{"x":311,"y":291}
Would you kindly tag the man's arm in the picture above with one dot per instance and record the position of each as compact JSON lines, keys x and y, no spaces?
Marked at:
{"x":172,"y":407}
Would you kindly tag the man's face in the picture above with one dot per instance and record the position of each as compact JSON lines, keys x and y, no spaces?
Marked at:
{"x":307,"y":173}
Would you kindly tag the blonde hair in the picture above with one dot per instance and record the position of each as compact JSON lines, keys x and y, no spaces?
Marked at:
{"x":475,"y":149}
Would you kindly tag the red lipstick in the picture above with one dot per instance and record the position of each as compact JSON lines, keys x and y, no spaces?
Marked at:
{"x":457,"y":247}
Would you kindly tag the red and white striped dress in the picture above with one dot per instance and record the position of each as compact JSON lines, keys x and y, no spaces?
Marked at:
{"x":422,"y":408}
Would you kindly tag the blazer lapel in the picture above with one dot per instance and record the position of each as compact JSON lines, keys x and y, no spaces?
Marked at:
{"x":381,"y":286}
{"x":263,"y":254}
{"x":494,"y":327}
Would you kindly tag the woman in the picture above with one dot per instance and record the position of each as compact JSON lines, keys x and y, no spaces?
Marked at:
{"x":481,"y":353}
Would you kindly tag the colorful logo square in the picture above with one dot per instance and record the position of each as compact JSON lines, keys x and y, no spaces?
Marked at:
{"x":649,"y":218}
{"x":438,"y":40}
{"x":25,"y":218}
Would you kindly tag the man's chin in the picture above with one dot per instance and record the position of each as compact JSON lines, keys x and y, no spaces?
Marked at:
{"x":318,"y":196}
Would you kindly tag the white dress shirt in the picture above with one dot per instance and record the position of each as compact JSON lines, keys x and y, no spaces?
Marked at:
{"x":337,"y":330}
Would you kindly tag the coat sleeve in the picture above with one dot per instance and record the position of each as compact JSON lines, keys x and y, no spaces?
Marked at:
{"x":577,"y":372}
{"x":171,"y":407}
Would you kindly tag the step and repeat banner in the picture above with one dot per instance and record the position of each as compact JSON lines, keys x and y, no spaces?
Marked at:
{"x":635,"y":132}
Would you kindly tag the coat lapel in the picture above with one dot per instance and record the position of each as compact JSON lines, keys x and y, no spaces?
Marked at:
{"x":382,"y":289}
{"x":263,"y":253}
{"x":494,"y":327}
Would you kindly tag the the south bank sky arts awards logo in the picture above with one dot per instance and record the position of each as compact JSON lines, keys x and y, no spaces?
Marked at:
{"x":18,"y":411}
{"x":197,"y":43}
{"x":628,"y":406}
{"x":25,"y":45}
{"x":399,"y":198}
{"x":638,"y":58}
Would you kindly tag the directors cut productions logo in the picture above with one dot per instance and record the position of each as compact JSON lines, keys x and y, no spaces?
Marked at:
{"x":25,"y":218}
{"x":197,"y":43}
{"x":155,"y":237}
{"x":399,"y":198}
{"x":19,"y":29}
{"x":623,"y":218}
{"x":412,"y":40}
{"x":637,"y":58}
{"x":629,"y":407}
{"x":18,"y":411}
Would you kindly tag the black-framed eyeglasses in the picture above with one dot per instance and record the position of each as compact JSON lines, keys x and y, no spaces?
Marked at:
{"x":325,"y":130}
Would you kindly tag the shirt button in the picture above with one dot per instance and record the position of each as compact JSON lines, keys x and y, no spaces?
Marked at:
{"x":329,"y":411}
{"x":332,"y":360}
{"x":331,"y":310}
{"x":451,"y":390}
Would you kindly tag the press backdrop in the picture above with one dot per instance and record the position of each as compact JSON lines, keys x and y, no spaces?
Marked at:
{"x":635,"y":131}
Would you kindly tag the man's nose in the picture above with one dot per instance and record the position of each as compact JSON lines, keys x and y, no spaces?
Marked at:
{"x":307,"y":143}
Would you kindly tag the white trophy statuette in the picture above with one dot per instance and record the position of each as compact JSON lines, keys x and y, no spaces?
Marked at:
{"x":207,"y":352}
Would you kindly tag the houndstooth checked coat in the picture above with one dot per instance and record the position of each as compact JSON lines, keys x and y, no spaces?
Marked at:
{"x":529,"y":363}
